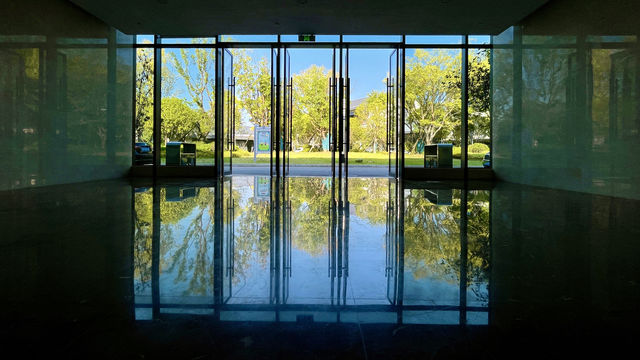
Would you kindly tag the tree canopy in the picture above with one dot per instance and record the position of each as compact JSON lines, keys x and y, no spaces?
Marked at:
{"x":369,"y":126}
{"x":432,"y":101}
{"x":311,"y":106}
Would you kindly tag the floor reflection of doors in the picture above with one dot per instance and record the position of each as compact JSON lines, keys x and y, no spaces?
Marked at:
{"x":271,"y":249}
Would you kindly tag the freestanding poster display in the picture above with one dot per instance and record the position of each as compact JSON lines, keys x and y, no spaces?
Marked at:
{"x":262,"y":141}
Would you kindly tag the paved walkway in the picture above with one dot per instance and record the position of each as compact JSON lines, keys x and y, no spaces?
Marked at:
{"x":301,"y":170}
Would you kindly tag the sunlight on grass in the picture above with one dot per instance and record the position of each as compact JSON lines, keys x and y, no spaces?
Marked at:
{"x":205,"y":157}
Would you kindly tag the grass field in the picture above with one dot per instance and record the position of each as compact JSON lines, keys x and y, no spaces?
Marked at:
{"x":205,"y":157}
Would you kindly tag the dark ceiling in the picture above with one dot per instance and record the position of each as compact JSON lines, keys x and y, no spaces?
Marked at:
{"x":371,"y":17}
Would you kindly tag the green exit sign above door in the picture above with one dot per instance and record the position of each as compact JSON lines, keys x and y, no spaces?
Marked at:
{"x":306,"y":37}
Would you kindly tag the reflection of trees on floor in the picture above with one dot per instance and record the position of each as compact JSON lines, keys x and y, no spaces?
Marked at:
{"x":432,"y":238}
{"x":432,"y":243}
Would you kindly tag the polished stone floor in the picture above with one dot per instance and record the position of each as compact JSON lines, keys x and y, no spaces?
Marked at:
{"x":313,"y":267}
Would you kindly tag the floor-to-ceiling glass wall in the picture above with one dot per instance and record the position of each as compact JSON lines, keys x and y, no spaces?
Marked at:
{"x":188,"y":102}
{"x":369,"y":69}
{"x":143,"y":115}
{"x":311,"y":73}
{"x":479,"y":102}
{"x":433,"y":116}
{"x":439,"y":105}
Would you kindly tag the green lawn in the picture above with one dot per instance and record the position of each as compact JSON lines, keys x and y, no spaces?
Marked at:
{"x":205,"y":157}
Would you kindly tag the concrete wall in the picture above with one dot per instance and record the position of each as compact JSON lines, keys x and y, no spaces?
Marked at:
{"x":66,"y":95}
{"x":566,"y":93}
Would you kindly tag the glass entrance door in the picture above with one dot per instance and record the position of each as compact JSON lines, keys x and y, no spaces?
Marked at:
{"x":339,"y":103}
{"x":274,"y":169}
{"x":395,"y":113}
{"x":391,"y":117}
{"x":228,"y":111}
{"x":287,"y":118}
{"x":344,"y":114}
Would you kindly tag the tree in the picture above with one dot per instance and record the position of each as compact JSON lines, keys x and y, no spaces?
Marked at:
{"x":179,"y":120}
{"x":144,"y":91}
{"x":432,"y":239}
{"x":479,"y":95}
{"x":253,"y":87}
{"x":196,"y":68}
{"x":369,"y":127}
{"x":432,"y":100}
{"x":144,"y":95}
{"x":311,"y":106}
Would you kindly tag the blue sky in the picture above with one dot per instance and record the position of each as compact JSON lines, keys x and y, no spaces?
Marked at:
{"x":368,"y":67}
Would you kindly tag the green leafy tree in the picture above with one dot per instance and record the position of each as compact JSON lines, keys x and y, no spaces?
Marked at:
{"x":253,"y":87}
{"x":432,"y":101}
{"x":432,"y":238}
{"x":310,"y":109}
{"x":144,"y":95}
{"x":369,"y":126}
{"x":369,"y":197}
{"x":144,"y":90}
{"x":143,"y":238}
{"x":310,"y":201}
{"x":179,"y":120}
{"x":479,"y":95}
{"x":196,"y":69}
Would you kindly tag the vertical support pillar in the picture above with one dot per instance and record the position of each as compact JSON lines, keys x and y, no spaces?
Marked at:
{"x":582,"y":129}
{"x":111,"y":96}
{"x":48,"y":149}
{"x":134,"y":105}
{"x":516,"y":138}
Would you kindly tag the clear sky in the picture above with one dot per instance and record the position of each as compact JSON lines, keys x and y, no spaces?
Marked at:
{"x":367,"y":68}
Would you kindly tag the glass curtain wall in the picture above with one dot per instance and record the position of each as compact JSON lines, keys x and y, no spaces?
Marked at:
{"x":435,"y":85}
{"x":143,"y":115}
{"x":479,"y":108}
{"x":433,"y":105}
{"x":188,"y":85}
{"x":433,"y":117}
{"x":186,"y":112}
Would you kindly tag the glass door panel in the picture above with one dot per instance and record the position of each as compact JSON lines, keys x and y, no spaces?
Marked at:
{"x":333,"y":114}
{"x":344,"y":111}
{"x":228,"y":114}
{"x":287,"y":113}
{"x":275,"y":112}
{"x":400,"y":114}
{"x":392,"y":80}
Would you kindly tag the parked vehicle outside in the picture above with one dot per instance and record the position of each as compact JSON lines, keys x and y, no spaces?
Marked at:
{"x":486,"y":162}
{"x":143,"y":153}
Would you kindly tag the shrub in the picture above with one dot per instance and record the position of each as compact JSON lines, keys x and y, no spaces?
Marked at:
{"x":240,"y":153}
{"x":478,"y":148}
{"x":471,"y":155}
{"x":456,"y":152}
